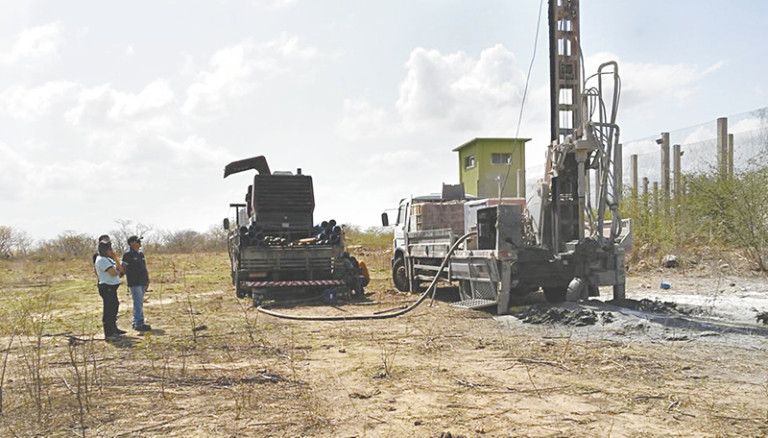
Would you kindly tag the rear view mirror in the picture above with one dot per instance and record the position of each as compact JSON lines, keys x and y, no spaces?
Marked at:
{"x":226,"y":223}
{"x":384,"y":219}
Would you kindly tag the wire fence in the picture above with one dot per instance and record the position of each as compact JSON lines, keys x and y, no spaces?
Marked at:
{"x":698,"y":145}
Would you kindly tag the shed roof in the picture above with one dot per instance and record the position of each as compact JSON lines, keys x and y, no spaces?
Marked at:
{"x":474,"y":140}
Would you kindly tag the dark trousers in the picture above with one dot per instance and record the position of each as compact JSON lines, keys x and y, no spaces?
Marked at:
{"x":108,"y":294}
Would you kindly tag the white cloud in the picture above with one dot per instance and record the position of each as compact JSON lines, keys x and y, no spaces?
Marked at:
{"x":362,"y":119}
{"x":228,"y":79}
{"x":35,"y":43}
{"x":274,"y":4}
{"x":196,"y":150}
{"x":644,"y":83}
{"x":129,"y":51}
{"x":396,"y":158}
{"x":288,"y":46}
{"x":744,"y":125}
{"x":457,"y":90}
{"x":452,"y":92}
{"x":239,"y":69}
{"x":27,"y":177}
{"x":700,"y":134}
{"x":28,"y":104}
{"x":103,"y":104}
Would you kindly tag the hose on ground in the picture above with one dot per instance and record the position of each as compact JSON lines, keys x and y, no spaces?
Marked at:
{"x":400,"y":312}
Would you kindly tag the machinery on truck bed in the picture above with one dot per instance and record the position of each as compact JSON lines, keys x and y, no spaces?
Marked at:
{"x":274,"y":248}
{"x":574,"y":246}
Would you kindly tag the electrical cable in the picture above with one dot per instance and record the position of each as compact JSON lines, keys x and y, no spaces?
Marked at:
{"x":400,"y":312}
{"x":525,"y":93}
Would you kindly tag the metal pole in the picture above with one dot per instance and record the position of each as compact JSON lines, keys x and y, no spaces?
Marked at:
{"x":722,"y":146}
{"x":520,"y":183}
{"x":618,"y":172}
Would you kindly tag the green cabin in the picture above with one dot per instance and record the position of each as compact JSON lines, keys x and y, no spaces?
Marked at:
{"x":485,"y":162}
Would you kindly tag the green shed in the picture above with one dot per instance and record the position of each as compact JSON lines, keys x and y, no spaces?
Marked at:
{"x":485,"y":162}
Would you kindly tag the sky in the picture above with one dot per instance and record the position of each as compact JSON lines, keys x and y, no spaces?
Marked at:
{"x":129,"y":111}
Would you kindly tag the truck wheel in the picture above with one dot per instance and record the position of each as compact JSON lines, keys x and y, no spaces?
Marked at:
{"x":555,"y":294}
{"x":240,"y":292}
{"x":400,"y":276}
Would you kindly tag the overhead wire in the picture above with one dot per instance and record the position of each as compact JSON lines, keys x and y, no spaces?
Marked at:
{"x":525,"y":91}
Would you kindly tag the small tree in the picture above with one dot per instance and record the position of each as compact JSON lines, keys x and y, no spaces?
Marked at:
{"x":735,"y":210}
{"x":69,"y":244}
{"x":6,"y":241}
{"x":183,"y":241}
{"x":125,"y":230}
{"x":215,"y":239}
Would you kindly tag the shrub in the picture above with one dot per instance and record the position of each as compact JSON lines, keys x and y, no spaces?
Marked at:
{"x":68,"y":244}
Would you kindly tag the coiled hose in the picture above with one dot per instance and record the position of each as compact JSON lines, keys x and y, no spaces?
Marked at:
{"x":380,"y":316}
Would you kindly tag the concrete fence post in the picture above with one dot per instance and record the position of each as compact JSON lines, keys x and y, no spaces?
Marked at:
{"x":730,"y":155}
{"x":676,"y":156}
{"x":722,"y":146}
{"x":665,"y":169}
{"x":633,"y":175}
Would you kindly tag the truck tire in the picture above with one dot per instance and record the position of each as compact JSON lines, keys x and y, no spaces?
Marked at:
{"x":258,"y":298}
{"x":400,"y":276}
{"x":240,"y":292}
{"x":555,"y":294}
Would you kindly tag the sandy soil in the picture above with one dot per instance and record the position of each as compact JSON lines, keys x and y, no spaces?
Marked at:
{"x":437,"y":371}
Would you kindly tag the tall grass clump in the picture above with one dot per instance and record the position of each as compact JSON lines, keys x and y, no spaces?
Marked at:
{"x":714,"y":213}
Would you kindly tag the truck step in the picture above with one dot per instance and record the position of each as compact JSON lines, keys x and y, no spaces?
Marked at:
{"x":430,"y":277}
{"x":429,"y":267}
{"x":475,"y":303}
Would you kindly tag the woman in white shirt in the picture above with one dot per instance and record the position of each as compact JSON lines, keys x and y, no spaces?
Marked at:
{"x":109,"y":273}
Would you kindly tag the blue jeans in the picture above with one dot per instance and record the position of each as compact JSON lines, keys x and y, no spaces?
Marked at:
{"x":137,"y":293}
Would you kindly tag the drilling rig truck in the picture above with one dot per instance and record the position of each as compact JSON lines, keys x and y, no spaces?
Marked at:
{"x":572,"y":246}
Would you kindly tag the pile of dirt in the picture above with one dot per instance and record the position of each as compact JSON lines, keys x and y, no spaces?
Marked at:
{"x":654,"y":306}
{"x":555,"y":315}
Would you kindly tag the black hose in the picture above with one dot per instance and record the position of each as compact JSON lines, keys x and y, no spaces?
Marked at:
{"x":381,"y":316}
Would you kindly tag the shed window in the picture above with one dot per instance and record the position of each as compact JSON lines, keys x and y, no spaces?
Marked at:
{"x":469,"y":162}
{"x":501,"y":159}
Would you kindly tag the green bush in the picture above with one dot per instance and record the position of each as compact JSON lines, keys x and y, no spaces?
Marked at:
{"x":713,"y":213}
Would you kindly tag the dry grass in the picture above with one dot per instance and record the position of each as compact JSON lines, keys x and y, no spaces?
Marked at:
{"x":438,"y":369}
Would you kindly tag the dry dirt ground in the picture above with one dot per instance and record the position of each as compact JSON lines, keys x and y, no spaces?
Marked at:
{"x":214,"y":366}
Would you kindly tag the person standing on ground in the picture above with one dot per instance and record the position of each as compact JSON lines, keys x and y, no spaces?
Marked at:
{"x":135,"y":266}
{"x":109,"y":273}
{"x":104,"y":238}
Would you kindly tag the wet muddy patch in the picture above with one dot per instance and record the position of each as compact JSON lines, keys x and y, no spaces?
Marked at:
{"x":655,"y":306}
{"x":556,"y":315}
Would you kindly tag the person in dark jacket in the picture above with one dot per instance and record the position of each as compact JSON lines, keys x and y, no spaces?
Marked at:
{"x":135,"y":266}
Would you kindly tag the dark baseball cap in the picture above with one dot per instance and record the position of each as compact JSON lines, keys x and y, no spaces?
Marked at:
{"x":134,"y":239}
